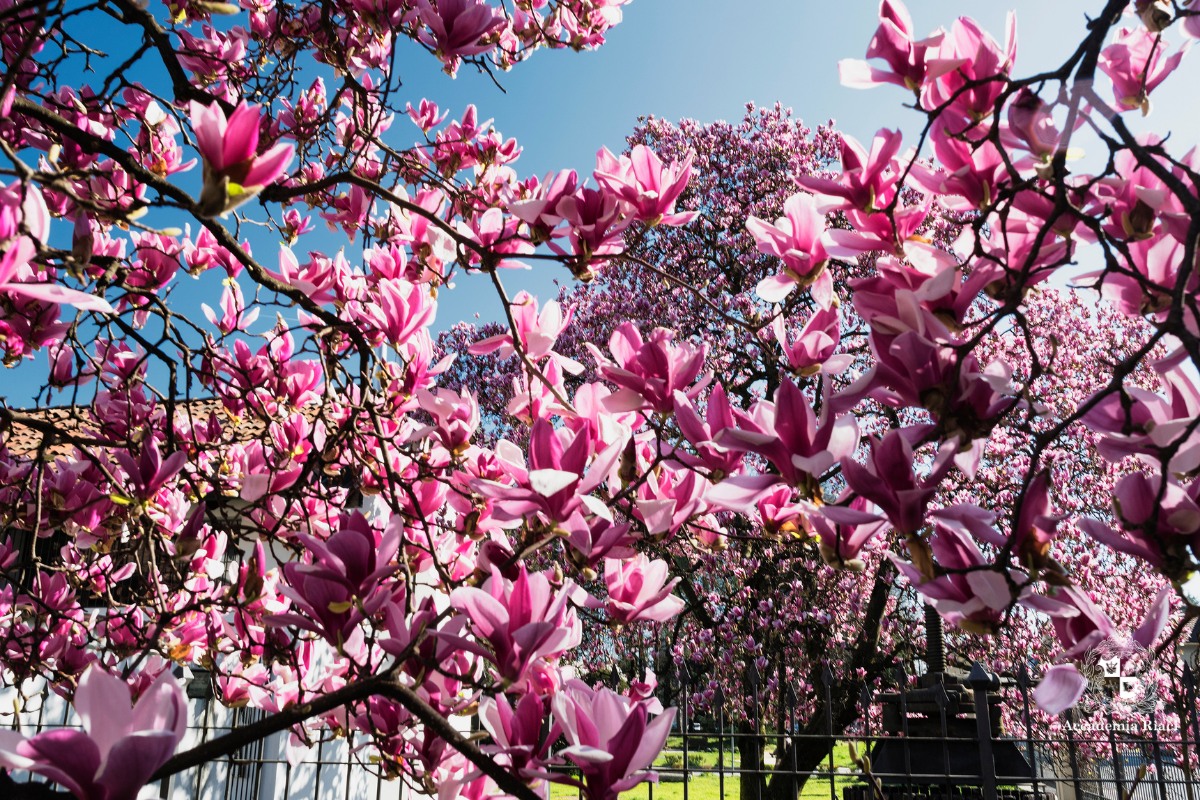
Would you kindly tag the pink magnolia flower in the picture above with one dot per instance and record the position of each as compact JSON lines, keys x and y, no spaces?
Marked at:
{"x":970,"y":596}
{"x":521,"y":621}
{"x":1138,"y":421}
{"x":649,"y":371}
{"x":233,"y":170}
{"x":119,"y":747}
{"x":893,"y":42}
{"x":965,"y":55}
{"x":456,"y":415}
{"x":538,"y":333}
{"x":458,"y":25}
{"x":781,"y":515}
{"x":801,"y":445}
{"x":642,"y":181}
{"x":1136,"y":52}
{"x":668,"y":498}
{"x":590,"y":542}
{"x":796,"y":238}
{"x":888,"y":479}
{"x":559,"y":478}
{"x":150,"y":473}
{"x":971,"y":170}
{"x":702,"y":433}
{"x":15,"y":264}
{"x":520,"y":740}
{"x":407,"y":307}
{"x":234,"y":316}
{"x":813,"y":349}
{"x":540,"y":211}
{"x":595,"y":220}
{"x":1081,"y":626}
{"x":426,"y":117}
{"x":610,"y":739}
{"x":1139,"y":499}
{"x":843,"y":531}
{"x":868,"y":180}
{"x":638,"y":589}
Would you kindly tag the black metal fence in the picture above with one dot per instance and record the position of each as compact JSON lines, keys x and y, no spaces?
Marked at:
{"x":933,"y":737}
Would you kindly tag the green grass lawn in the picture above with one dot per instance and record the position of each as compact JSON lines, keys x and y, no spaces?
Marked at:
{"x":708,"y":787}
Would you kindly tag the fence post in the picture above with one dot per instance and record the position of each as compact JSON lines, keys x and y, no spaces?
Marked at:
{"x":827,"y":679}
{"x":792,"y":700}
{"x":980,"y":681}
{"x":1071,"y":751}
{"x":864,"y":702}
{"x":684,"y":679}
{"x":902,"y":681}
{"x":1118,"y":767}
{"x":1023,"y":683}
{"x":1186,"y":714}
{"x":1158,"y":762}
{"x":719,"y":702}
{"x":752,"y":679}
{"x":939,"y":697}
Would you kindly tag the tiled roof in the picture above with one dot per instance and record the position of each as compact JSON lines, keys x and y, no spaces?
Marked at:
{"x":24,"y":430}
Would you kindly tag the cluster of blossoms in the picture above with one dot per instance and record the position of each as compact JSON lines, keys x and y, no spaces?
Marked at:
{"x":311,"y":511}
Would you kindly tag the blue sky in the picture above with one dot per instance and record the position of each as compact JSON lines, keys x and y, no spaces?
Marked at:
{"x":701,"y":59}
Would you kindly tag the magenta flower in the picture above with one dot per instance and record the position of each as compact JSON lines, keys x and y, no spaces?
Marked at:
{"x":970,"y":596}
{"x":801,"y":445}
{"x":595,"y":220}
{"x":893,"y":42}
{"x":649,"y":371}
{"x":456,"y":415}
{"x":796,"y":239}
{"x":1081,"y":626}
{"x":641,"y":180}
{"x":973,"y":171}
{"x":558,"y":478}
{"x":15,"y":263}
{"x":813,"y":349}
{"x":150,"y":473}
{"x":1137,"y":500}
{"x":843,"y":531}
{"x":234,"y":316}
{"x":868,"y":180}
{"x":233,"y":170}
{"x":541,"y":210}
{"x":967,"y":54}
{"x":458,"y":25}
{"x":407,"y":308}
{"x":537,"y":331}
{"x":521,"y":621}
{"x":638,"y":589}
{"x":520,"y":741}
{"x":119,"y":747}
{"x":610,"y":739}
{"x":1136,"y":52}
{"x":702,"y":433}
{"x":888,"y":481}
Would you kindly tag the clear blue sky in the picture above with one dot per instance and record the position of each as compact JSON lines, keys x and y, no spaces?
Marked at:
{"x":702,"y":59}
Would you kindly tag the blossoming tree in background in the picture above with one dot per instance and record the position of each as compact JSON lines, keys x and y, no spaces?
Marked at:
{"x":883,"y":374}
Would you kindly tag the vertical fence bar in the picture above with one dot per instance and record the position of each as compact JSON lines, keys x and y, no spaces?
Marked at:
{"x":684,"y":678}
{"x":1187,"y":707}
{"x":792,"y":701}
{"x":752,"y":678}
{"x":939,"y":697}
{"x":1158,"y":760}
{"x":1070,"y":726}
{"x":1023,"y":684}
{"x":980,"y":681}
{"x":902,"y":682}
{"x":719,"y":702}
{"x":1118,"y":767}
{"x":827,"y":679}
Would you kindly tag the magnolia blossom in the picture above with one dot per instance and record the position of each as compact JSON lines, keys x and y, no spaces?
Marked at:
{"x":649,"y":187}
{"x":1135,"y":63}
{"x":119,"y":747}
{"x":796,"y":239}
{"x":234,"y":171}
{"x":638,"y":589}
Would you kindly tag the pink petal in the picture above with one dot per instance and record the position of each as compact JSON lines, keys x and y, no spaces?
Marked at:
{"x":1060,"y":689}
